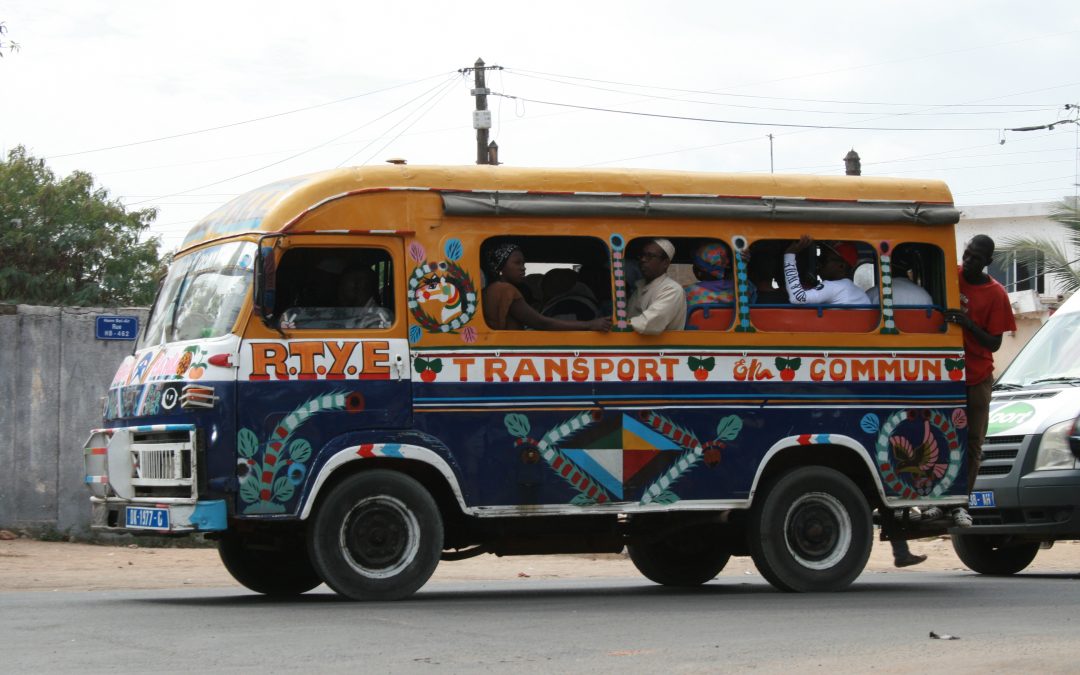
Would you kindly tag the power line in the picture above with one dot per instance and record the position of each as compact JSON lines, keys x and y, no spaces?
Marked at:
{"x":436,"y":97}
{"x":298,"y":154}
{"x":736,"y":122}
{"x":535,"y":73}
{"x":248,"y":121}
{"x":1023,"y":107}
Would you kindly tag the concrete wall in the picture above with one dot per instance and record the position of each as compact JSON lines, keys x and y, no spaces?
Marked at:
{"x":53,"y":374}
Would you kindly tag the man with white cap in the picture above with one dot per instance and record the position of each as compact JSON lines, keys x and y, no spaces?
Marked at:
{"x":658,"y":302}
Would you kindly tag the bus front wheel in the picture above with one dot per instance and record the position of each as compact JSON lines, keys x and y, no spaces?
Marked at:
{"x":378,"y":535}
{"x":268,"y":566}
{"x":810,"y":530}
{"x":993,"y":556}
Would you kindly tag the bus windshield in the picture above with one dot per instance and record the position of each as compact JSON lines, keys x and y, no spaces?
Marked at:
{"x":201,"y":295}
{"x":1052,"y":356}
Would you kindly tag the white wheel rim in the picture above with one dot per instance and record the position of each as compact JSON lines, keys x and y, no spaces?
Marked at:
{"x":379,"y":529}
{"x":817,"y":530}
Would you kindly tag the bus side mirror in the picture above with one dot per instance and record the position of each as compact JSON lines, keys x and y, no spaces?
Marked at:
{"x":265,"y":295}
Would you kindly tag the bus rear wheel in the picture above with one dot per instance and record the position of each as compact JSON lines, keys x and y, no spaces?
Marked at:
{"x":810,"y":530}
{"x":378,"y":535}
{"x":993,"y":556}
{"x":267,"y":565}
{"x":688,"y":558}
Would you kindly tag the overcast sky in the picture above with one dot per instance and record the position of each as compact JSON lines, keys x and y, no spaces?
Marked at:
{"x":94,"y":75}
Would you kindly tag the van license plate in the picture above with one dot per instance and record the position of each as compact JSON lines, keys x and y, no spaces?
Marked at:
{"x":983,"y":499}
{"x":144,"y":518}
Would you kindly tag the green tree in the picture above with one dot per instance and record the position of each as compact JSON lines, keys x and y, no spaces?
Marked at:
{"x":1058,"y":259}
{"x":65,"y":242}
{"x":5,"y":43}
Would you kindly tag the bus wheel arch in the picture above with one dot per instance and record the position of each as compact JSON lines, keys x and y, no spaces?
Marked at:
{"x":853,"y":462}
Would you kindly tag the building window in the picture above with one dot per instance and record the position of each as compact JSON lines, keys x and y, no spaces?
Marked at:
{"x":1015,"y":274}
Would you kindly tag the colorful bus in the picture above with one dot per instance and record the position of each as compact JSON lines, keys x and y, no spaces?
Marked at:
{"x":358,"y":441}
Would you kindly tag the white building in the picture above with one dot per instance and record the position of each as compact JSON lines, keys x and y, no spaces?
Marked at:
{"x":1033,"y":294}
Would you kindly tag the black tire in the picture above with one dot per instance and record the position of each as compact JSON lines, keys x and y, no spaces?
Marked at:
{"x":810,"y":530}
{"x":378,"y":535}
{"x":689,"y":558}
{"x":272,"y":566}
{"x":994,"y":556}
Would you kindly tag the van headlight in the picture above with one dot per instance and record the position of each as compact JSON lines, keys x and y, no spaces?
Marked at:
{"x":1054,"y":450}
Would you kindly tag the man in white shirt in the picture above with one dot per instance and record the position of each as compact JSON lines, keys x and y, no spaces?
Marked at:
{"x":658,"y":302}
{"x":904,"y":290}
{"x":835,"y":266}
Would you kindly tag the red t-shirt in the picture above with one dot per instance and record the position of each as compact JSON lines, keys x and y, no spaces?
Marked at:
{"x":988,"y":306}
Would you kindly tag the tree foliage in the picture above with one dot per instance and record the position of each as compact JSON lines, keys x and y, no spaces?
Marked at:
{"x":65,"y":242}
{"x":6,"y":43}
{"x":1058,"y":257}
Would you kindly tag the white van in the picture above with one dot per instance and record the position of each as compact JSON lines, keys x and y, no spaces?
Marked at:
{"x":1028,"y":489}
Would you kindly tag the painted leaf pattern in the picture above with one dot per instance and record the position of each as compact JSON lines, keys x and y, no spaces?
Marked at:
{"x":247,"y":443}
{"x":300,"y":450}
{"x":729,"y":427}
{"x":249,"y":489}
{"x":517,"y":425}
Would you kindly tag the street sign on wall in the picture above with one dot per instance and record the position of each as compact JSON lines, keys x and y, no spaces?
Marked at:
{"x":116,"y":327}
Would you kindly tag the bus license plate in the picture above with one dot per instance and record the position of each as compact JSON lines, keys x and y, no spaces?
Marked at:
{"x":144,"y":518}
{"x":983,"y":499}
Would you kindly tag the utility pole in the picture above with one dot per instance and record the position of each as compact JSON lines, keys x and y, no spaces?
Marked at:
{"x":770,"y":154}
{"x":485,"y":153}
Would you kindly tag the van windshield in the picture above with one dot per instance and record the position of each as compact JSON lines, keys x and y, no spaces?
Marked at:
{"x":1051,"y":357}
{"x":201,"y":295}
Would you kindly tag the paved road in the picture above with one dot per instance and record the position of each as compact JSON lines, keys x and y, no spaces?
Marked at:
{"x":1023,"y":623}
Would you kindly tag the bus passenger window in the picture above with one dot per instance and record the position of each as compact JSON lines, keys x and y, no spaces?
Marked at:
{"x":704,"y":268}
{"x":342,"y":289}
{"x":818,"y":280}
{"x":917,"y":285}
{"x":562,"y":296}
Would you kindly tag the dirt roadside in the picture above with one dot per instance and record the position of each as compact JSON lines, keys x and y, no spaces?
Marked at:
{"x":29,"y":565}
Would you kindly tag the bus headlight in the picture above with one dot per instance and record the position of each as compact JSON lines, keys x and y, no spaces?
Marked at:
{"x":1054,"y":450}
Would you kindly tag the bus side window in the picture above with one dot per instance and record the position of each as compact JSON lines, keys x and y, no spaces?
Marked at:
{"x":917,"y":276}
{"x":334,"y":289}
{"x":704,"y":268}
{"x":831,"y":290}
{"x":565,"y":278}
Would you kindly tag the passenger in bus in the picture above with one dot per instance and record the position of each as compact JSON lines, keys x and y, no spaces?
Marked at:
{"x":357,"y":287}
{"x":505,"y":307}
{"x":564,"y":297}
{"x":658,"y":302}
{"x":835,"y":265}
{"x":904,"y":290}
{"x":712,"y":268}
{"x":765,"y":270}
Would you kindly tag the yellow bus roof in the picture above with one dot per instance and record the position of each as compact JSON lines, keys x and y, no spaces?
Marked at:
{"x":272,"y":207}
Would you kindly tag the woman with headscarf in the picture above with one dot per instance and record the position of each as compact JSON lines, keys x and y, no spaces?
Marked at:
{"x":505,"y":307}
{"x":711,"y":267}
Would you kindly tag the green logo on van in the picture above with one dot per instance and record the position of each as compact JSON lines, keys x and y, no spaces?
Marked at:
{"x":1012,"y":415}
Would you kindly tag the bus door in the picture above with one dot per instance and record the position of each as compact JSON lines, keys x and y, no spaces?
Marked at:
{"x":327,"y":363}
